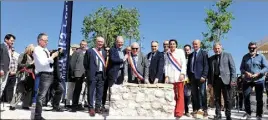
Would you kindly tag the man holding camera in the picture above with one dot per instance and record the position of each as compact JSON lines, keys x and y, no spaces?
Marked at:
{"x":44,"y":69}
{"x":253,"y":67}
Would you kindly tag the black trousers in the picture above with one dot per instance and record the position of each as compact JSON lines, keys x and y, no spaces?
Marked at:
{"x":199,"y":94}
{"x":9,"y":89}
{"x":220,"y":87}
{"x":187,"y":97}
{"x":118,"y":81}
{"x":247,"y":88}
{"x":47,"y":81}
{"x":98,"y":85}
{"x":77,"y":90}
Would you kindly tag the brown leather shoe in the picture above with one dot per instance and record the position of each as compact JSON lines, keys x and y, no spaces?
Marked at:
{"x":92,"y":112}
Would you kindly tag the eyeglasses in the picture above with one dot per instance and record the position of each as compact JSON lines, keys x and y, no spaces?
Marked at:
{"x":153,"y":46}
{"x":134,"y":48}
{"x":44,"y":40}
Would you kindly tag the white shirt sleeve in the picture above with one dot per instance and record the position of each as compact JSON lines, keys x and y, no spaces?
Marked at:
{"x":41,"y":58}
{"x":166,"y":65}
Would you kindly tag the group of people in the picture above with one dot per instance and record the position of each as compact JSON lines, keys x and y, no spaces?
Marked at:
{"x":94,"y":70}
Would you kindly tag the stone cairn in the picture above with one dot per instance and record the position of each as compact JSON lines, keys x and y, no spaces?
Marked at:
{"x":143,"y":100}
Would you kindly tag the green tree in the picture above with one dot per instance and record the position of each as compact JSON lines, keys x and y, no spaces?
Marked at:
{"x":110,"y":23}
{"x":218,"y":21}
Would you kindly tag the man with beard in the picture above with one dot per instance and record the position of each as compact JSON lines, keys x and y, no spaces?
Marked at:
{"x":253,"y":66}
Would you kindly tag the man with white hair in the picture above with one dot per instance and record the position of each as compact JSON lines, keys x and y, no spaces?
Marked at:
{"x":94,"y":63}
{"x":137,"y":67}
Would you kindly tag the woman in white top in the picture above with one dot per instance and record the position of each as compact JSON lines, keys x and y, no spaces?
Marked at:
{"x":175,"y":71}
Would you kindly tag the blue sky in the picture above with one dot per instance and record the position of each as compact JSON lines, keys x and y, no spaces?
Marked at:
{"x":159,"y":21}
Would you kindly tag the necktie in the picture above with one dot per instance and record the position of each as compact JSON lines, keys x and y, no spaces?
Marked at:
{"x":217,"y":65}
{"x":135,"y":61}
{"x":194,"y":61}
{"x":48,"y":57}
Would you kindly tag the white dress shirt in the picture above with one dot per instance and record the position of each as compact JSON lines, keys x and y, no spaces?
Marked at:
{"x":99,"y":63}
{"x":170,"y":71}
{"x":41,"y":61}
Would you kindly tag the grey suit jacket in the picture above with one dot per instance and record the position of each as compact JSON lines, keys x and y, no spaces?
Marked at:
{"x":77,"y":66}
{"x":142,"y":66}
{"x":4,"y":58}
{"x":227,"y":68}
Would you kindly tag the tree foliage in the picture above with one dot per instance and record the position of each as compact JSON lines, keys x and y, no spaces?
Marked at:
{"x":110,"y":23}
{"x":218,"y":22}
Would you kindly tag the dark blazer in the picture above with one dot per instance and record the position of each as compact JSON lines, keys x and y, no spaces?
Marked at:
{"x":114,"y":65}
{"x":201,"y":65}
{"x":77,"y":64}
{"x":4,"y":58}
{"x":90,"y":64}
{"x":227,"y":68}
{"x":156,"y":66}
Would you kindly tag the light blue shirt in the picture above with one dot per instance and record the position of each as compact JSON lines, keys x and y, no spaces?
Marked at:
{"x":257,"y":64}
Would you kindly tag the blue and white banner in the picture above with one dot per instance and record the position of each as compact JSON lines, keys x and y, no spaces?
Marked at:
{"x":64,"y":42}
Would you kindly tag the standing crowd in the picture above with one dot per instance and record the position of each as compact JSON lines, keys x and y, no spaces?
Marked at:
{"x":93,"y":71}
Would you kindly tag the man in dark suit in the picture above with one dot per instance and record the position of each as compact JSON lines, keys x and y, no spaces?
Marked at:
{"x":136,"y":68}
{"x":78,"y":70}
{"x":222,"y":75}
{"x":197,"y":70}
{"x":166,"y":49}
{"x":5,"y":55}
{"x":115,"y":69}
{"x":156,"y":64}
{"x":94,"y":63}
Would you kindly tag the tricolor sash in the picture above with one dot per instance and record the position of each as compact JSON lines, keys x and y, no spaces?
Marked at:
{"x":100,"y":57}
{"x":134,"y":68}
{"x":174,"y":62}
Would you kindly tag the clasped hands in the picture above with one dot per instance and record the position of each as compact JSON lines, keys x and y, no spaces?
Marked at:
{"x":250,"y":75}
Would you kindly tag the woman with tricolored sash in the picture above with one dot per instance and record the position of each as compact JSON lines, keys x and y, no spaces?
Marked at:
{"x":175,"y":71}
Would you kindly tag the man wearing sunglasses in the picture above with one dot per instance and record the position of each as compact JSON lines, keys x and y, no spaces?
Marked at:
{"x":156,"y":64}
{"x":136,"y":68}
{"x":253,"y":67}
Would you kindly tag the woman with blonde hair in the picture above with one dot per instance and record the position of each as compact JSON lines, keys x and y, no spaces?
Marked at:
{"x":26,"y":78}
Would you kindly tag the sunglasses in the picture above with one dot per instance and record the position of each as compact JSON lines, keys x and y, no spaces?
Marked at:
{"x":250,"y":48}
{"x":153,"y":46}
{"x":134,"y":48}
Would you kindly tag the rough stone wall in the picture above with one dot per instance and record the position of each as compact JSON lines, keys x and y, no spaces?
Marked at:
{"x":142,"y":100}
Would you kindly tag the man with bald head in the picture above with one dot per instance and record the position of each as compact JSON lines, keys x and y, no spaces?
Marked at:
{"x":115,"y":68}
{"x":136,"y":68}
{"x":94,"y":64}
{"x":197,"y":71}
{"x":156,"y":64}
